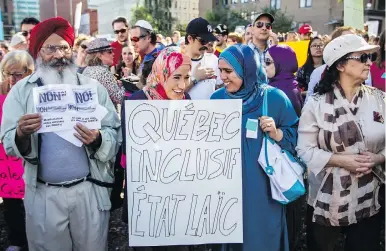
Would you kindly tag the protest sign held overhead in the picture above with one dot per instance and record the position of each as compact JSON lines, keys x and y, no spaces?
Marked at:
{"x":184,"y":176}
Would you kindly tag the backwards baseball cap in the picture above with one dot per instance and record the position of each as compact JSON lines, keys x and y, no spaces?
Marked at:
{"x":343,"y":45}
{"x":305,"y":29}
{"x":201,"y":28}
{"x":144,"y":24}
{"x":265,"y":14}
{"x":221,"y":29}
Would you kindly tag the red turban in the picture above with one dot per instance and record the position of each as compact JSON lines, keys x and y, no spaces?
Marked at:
{"x":43,"y":30}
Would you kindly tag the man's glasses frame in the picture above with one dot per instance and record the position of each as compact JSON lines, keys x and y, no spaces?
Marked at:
{"x":260,"y":24}
{"x":120,"y":31}
{"x":51,"y":49}
{"x":136,"y":39}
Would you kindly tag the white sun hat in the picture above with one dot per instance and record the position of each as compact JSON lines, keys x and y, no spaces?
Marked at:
{"x":345,"y":44}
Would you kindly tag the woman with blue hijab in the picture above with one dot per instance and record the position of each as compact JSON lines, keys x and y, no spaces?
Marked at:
{"x":264,"y":222}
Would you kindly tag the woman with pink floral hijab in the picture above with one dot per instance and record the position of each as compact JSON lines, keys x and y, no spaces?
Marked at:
{"x":168,"y":79}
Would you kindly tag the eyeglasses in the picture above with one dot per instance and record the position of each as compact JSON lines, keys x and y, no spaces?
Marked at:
{"x":136,"y":39}
{"x":83,"y":46}
{"x":108,"y":51}
{"x":51,"y":49}
{"x":362,"y":58}
{"x":120,"y":31}
{"x":201,"y":40}
{"x":14,"y":74}
{"x":25,"y":33}
{"x":261,"y":24}
{"x":268,"y":62}
{"x":319,"y":46}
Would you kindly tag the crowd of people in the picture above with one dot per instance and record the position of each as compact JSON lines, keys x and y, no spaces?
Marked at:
{"x":329,"y":112}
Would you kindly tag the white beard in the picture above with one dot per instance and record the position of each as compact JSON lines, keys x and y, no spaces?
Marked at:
{"x":51,"y":76}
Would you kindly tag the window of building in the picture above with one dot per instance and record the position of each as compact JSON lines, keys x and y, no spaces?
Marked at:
{"x":234,"y":1}
{"x":244,"y":1}
{"x":275,"y":4}
{"x":305,"y":3}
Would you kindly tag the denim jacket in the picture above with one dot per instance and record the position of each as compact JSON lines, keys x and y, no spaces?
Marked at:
{"x":19,"y":101}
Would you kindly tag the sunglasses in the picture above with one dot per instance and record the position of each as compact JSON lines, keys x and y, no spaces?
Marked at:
{"x":108,"y":51}
{"x":268,"y":62}
{"x":261,"y":24}
{"x":83,"y":46}
{"x":362,"y":58}
{"x":201,"y":40}
{"x":25,"y":33}
{"x":120,"y":31}
{"x":136,"y":39}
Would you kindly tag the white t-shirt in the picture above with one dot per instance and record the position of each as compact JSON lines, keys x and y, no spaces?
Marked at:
{"x":205,"y":88}
{"x":316,"y":75}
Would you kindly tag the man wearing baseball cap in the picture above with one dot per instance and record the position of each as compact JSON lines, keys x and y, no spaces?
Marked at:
{"x":205,"y":73}
{"x":221,"y":32}
{"x":262,"y":32}
{"x":144,"y":40}
{"x":305,"y":32}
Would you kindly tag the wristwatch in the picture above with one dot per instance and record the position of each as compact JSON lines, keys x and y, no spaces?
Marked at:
{"x":194,"y":81}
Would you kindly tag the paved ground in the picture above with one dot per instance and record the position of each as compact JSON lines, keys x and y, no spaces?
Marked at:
{"x":118,"y":235}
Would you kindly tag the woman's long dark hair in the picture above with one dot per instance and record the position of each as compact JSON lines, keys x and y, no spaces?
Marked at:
{"x":330,"y":76}
{"x":308,"y":66}
{"x":121,"y":64}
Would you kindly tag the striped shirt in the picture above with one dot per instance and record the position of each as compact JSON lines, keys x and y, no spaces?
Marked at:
{"x":260,"y":54}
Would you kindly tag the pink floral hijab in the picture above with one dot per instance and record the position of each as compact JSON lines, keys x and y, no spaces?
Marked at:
{"x":169,"y":60}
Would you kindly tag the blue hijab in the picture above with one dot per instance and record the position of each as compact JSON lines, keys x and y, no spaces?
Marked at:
{"x":245,"y":63}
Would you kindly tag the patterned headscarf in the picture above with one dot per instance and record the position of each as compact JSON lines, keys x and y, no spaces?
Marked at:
{"x":169,"y":60}
{"x":247,"y":66}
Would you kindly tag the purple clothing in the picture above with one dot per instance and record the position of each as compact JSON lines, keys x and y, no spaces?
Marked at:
{"x":286,"y":65}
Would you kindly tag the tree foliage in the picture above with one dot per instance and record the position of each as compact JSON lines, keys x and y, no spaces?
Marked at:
{"x":142,"y":13}
{"x":224,"y":15}
{"x":181,"y":28}
{"x":160,"y":15}
{"x":283,"y":22}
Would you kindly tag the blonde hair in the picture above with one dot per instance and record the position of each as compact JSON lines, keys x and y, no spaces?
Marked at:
{"x":93,"y":59}
{"x":80,"y":39}
{"x":16,"y":58}
{"x":236,"y":37}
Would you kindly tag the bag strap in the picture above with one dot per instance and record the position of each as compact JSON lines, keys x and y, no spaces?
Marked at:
{"x":265,"y":113}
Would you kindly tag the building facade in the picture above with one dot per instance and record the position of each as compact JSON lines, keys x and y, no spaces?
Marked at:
{"x":62,"y":8}
{"x":322,"y":15}
{"x":7,"y":18}
{"x":23,"y":9}
{"x":375,"y":14}
{"x":108,"y":10}
{"x":185,"y":10}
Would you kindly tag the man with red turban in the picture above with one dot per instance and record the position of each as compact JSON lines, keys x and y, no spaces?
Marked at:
{"x":66,"y":198}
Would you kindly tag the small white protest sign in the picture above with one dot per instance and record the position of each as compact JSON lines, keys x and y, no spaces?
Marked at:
{"x":62,"y":106}
{"x":184,"y":172}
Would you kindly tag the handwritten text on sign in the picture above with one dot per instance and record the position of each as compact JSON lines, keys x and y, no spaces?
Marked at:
{"x":11,"y":176}
{"x":184,"y":172}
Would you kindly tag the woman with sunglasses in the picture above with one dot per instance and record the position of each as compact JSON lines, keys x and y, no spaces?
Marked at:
{"x":281,"y":64}
{"x":15,"y":66}
{"x":342,"y":141}
{"x":99,"y":59}
{"x":264,"y":225}
{"x":314,"y":60}
{"x":80,"y":49}
{"x":169,"y":76}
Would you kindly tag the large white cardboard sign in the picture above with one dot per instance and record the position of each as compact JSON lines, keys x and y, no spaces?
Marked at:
{"x":184,"y":177}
